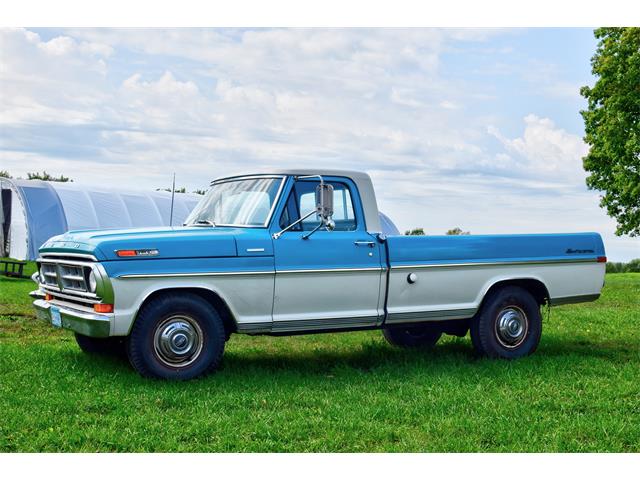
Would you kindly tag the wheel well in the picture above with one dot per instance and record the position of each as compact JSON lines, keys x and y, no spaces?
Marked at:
{"x":211,"y":297}
{"x":533,"y":286}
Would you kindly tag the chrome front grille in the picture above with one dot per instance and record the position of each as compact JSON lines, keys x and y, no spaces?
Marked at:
{"x":67,"y":279}
{"x":73,"y":277}
{"x":49,"y":274}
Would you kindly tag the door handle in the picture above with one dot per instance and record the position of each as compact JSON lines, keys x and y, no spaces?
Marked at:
{"x":364,"y":243}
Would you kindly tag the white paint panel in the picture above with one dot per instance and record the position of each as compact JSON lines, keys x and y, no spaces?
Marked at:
{"x":324,"y":295}
{"x":249,"y":297}
{"x":463,"y":287}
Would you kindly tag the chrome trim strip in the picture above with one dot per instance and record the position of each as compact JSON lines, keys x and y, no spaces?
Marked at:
{"x":60,"y":256}
{"x":62,"y":261}
{"x":424,"y":316}
{"x":574,"y":299}
{"x":333,"y":323}
{"x":195,"y":274}
{"x":484,"y":264}
{"x":254,"y":327}
{"x":77,"y":295}
{"x":245,"y":177}
{"x":269,"y":272}
{"x":37,"y":294}
{"x":255,"y":249}
{"x":333,"y":270}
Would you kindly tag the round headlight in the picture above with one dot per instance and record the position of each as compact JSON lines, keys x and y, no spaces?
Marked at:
{"x":92,"y":282}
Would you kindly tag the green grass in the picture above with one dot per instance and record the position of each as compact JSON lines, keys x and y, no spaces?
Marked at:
{"x":343,"y":392}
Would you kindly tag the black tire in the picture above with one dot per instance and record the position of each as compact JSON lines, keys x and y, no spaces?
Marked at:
{"x":176,"y":337}
{"x":419,"y":336}
{"x":101,"y":346}
{"x":495,"y":331}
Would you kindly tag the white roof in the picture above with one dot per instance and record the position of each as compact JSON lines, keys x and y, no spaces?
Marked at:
{"x":361,"y":179}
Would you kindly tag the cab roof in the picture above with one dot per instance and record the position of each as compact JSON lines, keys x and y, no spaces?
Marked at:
{"x":361,"y":179}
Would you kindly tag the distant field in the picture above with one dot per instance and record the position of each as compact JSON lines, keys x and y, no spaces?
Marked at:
{"x":346,"y":392}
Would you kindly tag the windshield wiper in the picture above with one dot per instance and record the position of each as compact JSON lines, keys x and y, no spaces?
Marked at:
{"x":208,"y":223}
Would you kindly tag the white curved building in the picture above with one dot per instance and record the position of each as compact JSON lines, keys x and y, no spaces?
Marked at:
{"x":32,"y":211}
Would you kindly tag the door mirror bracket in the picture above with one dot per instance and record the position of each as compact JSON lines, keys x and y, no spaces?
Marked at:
{"x":324,"y":209}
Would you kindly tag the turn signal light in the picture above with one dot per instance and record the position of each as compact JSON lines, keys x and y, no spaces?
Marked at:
{"x":48,"y":297}
{"x":103,"y":308}
{"x":602,"y":259}
{"x":141,"y":252}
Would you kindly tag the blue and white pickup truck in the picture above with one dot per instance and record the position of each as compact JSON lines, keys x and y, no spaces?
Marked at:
{"x":302,"y":251}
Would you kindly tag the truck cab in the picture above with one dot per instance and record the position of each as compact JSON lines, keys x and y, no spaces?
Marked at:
{"x":302,"y":251}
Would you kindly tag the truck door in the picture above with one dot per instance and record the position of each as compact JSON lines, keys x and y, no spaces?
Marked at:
{"x":331,"y":280}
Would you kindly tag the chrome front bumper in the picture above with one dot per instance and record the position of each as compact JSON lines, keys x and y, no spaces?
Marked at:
{"x":89,"y":324}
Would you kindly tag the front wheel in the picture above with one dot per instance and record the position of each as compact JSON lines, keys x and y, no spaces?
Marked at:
{"x":509,"y":325}
{"x":419,"y":336}
{"x":176,"y":337}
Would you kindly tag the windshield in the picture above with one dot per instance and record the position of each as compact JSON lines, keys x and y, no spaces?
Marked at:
{"x":243,"y":202}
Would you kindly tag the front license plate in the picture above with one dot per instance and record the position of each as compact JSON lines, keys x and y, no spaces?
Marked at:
{"x":56,"y":321}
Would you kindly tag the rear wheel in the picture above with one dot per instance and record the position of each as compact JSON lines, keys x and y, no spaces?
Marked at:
{"x":509,"y":324}
{"x":101,"y":346}
{"x":419,"y":336}
{"x":178,"y":337}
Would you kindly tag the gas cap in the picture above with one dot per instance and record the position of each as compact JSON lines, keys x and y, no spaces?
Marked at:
{"x":412,"y":278}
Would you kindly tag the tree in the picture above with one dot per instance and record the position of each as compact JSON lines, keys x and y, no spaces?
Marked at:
{"x":457,"y":231}
{"x":199,"y":192}
{"x":415,"y":231}
{"x":46,"y":177}
{"x":612,"y":126}
{"x":5,"y":174}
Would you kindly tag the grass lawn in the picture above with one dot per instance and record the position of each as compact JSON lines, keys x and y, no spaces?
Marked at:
{"x":342,"y":392}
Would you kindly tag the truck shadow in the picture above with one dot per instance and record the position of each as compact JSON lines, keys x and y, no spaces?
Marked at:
{"x":457,"y":355}
{"x":374,"y":358}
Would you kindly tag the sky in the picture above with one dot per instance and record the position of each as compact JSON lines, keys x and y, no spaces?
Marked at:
{"x":472,"y":128}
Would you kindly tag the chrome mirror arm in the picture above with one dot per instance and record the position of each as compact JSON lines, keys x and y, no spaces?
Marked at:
{"x":307,"y":235}
{"x":279,"y":234}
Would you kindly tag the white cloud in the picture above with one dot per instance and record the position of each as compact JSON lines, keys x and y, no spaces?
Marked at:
{"x":49,"y":81}
{"x":545,"y":149}
{"x":205,"y":103}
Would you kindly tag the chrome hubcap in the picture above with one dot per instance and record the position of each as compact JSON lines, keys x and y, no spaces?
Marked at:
{"x":511,"y":327}
{"x":178,"y":341}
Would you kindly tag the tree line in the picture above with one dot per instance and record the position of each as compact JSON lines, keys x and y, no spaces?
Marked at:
{"x":51,"y":178}
{"x":420,"y":231}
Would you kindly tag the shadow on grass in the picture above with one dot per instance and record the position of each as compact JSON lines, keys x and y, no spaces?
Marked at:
{"x":608,"y":350}
{"x":454,"y":358}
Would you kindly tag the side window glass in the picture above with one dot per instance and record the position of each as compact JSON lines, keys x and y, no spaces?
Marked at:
{"x":343,"y":213}
{"x":290,"y":213}
{"x":302,"y":200}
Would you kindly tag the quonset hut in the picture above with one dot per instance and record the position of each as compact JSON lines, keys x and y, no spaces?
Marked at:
{"x":32,"y":211}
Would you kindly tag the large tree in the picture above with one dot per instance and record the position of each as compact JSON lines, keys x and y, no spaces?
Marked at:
{"x":612,"y":126}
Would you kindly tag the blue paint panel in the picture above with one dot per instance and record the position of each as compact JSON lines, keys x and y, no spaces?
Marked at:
{"x":324,"y":250}
{"x":176,"y":242}
{"x":417,"y":250}
{"x":189,"y":265}
{"x":254,"y":242}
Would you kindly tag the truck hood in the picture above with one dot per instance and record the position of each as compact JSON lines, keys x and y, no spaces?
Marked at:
{"x":171,"y":242}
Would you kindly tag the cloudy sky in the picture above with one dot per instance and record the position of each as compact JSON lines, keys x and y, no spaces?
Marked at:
{"x":472,"y":128}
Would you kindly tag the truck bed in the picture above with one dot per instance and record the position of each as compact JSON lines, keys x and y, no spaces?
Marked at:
{"x":570,"y":268}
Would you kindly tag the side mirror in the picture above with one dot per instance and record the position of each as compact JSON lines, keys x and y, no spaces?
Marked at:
{"x":324,"y":210}
{"x":324,"y":201}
